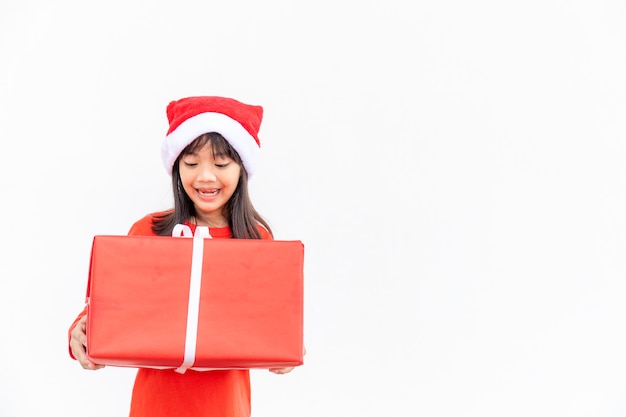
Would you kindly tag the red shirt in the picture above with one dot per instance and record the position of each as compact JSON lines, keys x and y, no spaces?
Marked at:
{"x":166,"y":393}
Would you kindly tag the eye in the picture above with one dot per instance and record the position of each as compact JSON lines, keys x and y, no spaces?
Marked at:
{"x":224,"y":165}
{"x":189,"y":164}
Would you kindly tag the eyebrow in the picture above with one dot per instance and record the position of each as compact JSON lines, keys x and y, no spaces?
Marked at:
{"x":220,"y":155}
{"x":215,"y":154}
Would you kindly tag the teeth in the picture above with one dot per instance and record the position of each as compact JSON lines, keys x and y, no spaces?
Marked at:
{"x":209,"y":191}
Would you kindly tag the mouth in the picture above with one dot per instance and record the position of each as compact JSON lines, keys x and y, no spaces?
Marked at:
{"x":208,"y":192}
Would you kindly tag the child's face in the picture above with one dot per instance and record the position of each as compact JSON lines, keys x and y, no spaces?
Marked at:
{"x":209,"y":182}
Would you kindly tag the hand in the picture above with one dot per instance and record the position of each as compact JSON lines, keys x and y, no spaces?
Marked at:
{"x":78,"y":345}
{"x":281,"y":371}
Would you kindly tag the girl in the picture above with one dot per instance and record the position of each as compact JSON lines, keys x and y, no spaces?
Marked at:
{"x":210,"y":151}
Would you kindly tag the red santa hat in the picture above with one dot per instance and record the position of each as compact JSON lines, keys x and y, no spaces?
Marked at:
{"x":191,"y":117}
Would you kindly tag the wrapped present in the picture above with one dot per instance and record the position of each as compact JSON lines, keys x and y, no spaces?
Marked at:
{"x":171,"y":302}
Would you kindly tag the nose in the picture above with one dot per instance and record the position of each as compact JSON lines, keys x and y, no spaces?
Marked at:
{"x":207,"y":173}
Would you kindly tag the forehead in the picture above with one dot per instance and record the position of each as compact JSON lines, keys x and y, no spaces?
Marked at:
{"x":216,"y":144}
{"x":210,"y":145}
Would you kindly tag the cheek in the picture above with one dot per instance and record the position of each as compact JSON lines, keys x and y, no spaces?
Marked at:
{"x":234,"y":179}
{"x":185,"y":176}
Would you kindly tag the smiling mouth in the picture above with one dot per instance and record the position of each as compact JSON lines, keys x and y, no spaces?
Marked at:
{"x":208,"y":192}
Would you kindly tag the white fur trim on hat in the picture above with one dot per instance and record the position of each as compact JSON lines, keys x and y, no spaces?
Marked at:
{"x":238,"y":137}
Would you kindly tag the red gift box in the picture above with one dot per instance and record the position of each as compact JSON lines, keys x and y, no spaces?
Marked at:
{"x":169,"y":302}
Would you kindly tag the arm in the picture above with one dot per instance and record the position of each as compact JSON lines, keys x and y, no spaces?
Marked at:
{"x":266,"y":235}
{"x":77,"y":332}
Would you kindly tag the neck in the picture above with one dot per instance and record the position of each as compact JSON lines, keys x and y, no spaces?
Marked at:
{"x":209,"y":222}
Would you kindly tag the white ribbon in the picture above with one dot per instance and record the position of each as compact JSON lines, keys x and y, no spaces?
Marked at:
{"x":193,"y":306}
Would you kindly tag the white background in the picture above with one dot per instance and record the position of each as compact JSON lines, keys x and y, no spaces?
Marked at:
{"x":454,"y":168}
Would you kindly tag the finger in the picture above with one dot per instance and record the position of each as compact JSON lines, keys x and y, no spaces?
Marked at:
{"x":77,"y":344}
{"x":92,"y":366}
{"x":79,"y":334}
{"x":88,"y":364}
{"x":83,"y":323}
{"x":81,"y":358}
{"x":281,"y":371}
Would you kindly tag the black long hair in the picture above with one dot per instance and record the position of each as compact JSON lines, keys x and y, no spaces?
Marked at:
{"x":242,"y":217}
